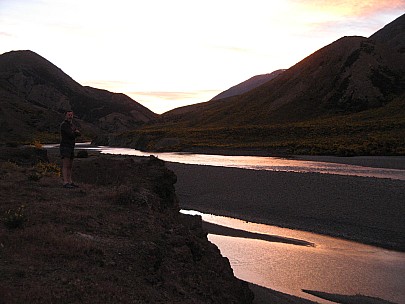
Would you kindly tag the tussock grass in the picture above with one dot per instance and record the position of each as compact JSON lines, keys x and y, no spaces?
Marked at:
{"x":343,"y":135}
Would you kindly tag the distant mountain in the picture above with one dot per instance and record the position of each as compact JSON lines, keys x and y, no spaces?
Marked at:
{"x":357,"y":77}
{"x":248,"y":85}
{"x":238,"y":89}
{"x":35,"y":93}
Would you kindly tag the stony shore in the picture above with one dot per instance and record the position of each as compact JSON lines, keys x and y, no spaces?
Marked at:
{"x":367,"y":210}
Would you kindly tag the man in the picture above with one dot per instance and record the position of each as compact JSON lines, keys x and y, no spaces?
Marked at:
{"x":68,"y":133}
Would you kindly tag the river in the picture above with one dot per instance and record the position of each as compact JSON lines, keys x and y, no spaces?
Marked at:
{"x":332,"y":265}
{"x":265,"y":163}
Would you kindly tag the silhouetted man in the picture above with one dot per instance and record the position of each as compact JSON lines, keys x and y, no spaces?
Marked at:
{"x":68,"y":134}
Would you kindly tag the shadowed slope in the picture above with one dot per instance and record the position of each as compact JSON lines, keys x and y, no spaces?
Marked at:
{"x":35,"y":93}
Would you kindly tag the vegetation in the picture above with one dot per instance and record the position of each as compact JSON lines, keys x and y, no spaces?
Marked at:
{"x":379,"y":131}
{"x":48,"y":169}
{"x":15,"y":218}
{"x":373,"y":132}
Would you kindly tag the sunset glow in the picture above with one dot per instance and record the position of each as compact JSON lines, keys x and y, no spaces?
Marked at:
{"x":165,"y":54}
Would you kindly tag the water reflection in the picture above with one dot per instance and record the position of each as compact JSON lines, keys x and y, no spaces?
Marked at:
{"x":265,"y":163}
{"x":256,"y":162}
{"x":333,"y":265}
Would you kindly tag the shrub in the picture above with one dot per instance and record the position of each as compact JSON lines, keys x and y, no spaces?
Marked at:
{"x":48,"y":169}
{"x":35,"y":176}
{"x":15,"y":219}
{"x":9,"y":166}
{"x":37,"y":144}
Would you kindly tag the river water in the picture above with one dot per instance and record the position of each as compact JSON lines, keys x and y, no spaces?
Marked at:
{"x":332,"y":265}
{"x":265,"y":163}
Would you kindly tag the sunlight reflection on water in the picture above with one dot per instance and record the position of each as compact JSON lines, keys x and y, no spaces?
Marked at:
{"x":255,"y":162}
{"x":265,"y":163}
{"x":333,"y":265}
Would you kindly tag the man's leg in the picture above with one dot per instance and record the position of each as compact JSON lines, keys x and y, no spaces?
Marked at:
{"x":70,"y":170}
{"x":67,"y":170}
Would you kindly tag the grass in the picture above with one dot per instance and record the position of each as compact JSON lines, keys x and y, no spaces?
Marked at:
{"x":343,"y":135}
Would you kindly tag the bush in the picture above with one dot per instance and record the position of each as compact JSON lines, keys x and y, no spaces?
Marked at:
{"x":37,"y":144}
{"x":47,"y":169}
{"x":15,"y":219}
{"x":35,"y":176}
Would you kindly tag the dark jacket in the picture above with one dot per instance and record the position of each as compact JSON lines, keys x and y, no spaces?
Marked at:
{"x":68,"y":133}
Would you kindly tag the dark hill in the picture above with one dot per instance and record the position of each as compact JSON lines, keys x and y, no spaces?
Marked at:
{"x":35,"y":93}
{"x":392,"y":35}
{"x":248,"y":85}
{"x":353,"y":83}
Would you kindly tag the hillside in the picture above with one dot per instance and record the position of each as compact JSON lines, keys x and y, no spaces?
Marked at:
{"x":248,"y":85}
{"x":238,"y":89}
{"x":347,"y":96}
{"x":35,"y":93}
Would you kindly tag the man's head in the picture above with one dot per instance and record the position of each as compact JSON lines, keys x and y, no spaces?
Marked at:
{"x":69,"y":115}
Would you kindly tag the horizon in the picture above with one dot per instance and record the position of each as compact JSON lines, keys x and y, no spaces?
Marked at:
{"x":133,"y":47}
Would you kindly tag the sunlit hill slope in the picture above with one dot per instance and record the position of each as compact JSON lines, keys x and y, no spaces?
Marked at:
{"x":347,"y":98}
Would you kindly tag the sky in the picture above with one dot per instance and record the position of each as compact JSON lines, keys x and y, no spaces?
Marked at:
{"x":166,"y":54}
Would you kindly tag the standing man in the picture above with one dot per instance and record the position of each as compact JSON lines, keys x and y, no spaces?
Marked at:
{"x":68,"y":134}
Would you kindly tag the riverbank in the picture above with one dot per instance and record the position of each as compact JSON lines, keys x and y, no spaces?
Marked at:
{"x":387,"y":162}
{"x":367,"y":210}
{"x":118,"y":238}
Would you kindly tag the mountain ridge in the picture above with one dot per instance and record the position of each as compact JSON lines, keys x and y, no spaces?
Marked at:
{"x":35,"y":94}
{"x":247,"y":85}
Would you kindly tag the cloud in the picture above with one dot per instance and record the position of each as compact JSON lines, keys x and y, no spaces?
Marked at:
{"x":232,"y":49}
{"x":339,"y":18}
{"x":359,"y":8}
{"x":368,"y":8}
{"x":170,"y":96}
{"x":6,"y":34}
{"x":109,"y":84}
{"x":163,"y":101}
{"x":126,"y":87}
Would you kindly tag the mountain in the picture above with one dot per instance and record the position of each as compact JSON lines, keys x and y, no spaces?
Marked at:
{"x":353,"y":83}
{"x":35,"y":94}
{"x":238,"y":89}
{"x":392,"y":35}
{"x":248,"y":85}
{"x":350,"y":75}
